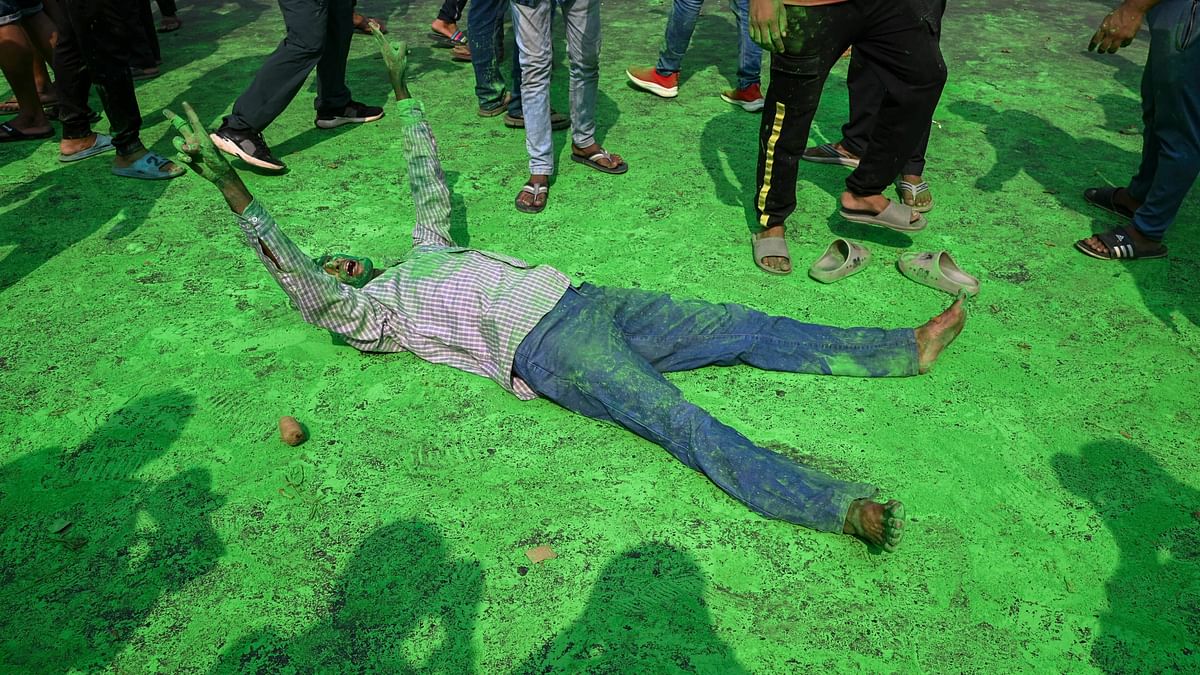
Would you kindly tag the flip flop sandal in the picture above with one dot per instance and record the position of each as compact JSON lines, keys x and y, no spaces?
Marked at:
{"x":169,"y":24}
{"x":460,"y":53}
{"x":937,"y":270}
{"x":536,"y":191}
{"x":103,"y":144}
{"x":603,"y":154}
{"x":828,"y":154}
{"x":1106,"y":198}
{"x":770,"y":247}
{"x":895,"y":217}
{"x":840,"y":260}
{"x":15,"y":135}
{"x":1121,"y":246}
{"x":149,"y":167}
{"x":558,"y":121}
{"x":439,"y":40}
{"x":909,"y":192}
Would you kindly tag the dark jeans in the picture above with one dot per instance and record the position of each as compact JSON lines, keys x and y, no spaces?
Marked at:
{"x":93,"y":47}
{"x":143,"y":46}
{"x":167,"y":7}
{"x":486,"y":39}
{"x":897,"y":42}
{"x":1171,"y":115}
{"x":866,"y":96}
{"x":318,"y":35}
{"x":451,"y":10}
{"x":601,"y":352}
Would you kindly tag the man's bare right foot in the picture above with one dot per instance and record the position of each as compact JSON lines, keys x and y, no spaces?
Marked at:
{"x":938,"y":332}
{"x":879,"y":524}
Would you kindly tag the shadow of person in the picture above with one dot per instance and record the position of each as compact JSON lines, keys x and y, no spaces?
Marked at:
{"x":1152,"y":623}
{"x":90,"y":545}
{"x":403,"y":605}
{"x":646,"y":614}
{"x":60,"y":208}
{"x":714,"y":42}
{"x":1024,"y":142}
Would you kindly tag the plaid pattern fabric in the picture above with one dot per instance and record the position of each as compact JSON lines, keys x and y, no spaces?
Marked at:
{"x":444,"y":303}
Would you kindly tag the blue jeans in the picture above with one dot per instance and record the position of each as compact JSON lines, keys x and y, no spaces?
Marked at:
{"x":486,"y":39}
{"x":679,"y":35}
{"x":601,"y":352}
{"x":1171,"y":115}
{"x":533,"y":20}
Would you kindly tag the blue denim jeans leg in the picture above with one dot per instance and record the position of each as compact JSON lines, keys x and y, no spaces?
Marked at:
{"x":1171,"y":116}
{"x":601,"y":352}
{"x":682,"y":24}
{"x":486,"y":39}
{"x":533,"y":21}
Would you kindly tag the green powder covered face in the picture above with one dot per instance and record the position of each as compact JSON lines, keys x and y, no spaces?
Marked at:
{"x":350,"y":270}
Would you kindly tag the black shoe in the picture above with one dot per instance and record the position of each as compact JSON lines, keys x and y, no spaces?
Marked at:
{"x":249,"y":146}
{"x":354,"y":113}
{"x":558,"y":121}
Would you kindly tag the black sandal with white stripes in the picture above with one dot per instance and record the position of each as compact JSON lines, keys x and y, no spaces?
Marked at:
{"x":1120,"y":245}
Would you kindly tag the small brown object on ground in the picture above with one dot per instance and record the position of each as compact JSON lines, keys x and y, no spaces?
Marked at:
{"x":540,"y":553}
{"x":290,"y":431}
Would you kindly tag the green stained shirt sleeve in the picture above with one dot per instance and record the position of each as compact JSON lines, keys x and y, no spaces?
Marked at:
{"x":430,"y":195}
{"x":321,"y":298}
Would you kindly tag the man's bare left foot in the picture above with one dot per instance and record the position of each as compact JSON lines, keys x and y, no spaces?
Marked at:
{"x":938,"y":332}
{"x":879,"y":524}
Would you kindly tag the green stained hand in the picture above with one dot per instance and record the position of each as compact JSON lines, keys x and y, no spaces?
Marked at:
{"x":196,"y":149}
{"x":768,"y":24}
{"x":396,"y":58}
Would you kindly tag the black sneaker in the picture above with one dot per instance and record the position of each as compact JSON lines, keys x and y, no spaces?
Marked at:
{"x":247,"y":145}
{"x":354,"y":113}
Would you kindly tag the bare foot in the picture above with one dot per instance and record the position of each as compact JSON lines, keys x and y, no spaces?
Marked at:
{"x":774,"y":262}
{"x":875,"y":523}
{"x":126,"y":161}
{"x":873,"y":203}
{"x":939,"y":332}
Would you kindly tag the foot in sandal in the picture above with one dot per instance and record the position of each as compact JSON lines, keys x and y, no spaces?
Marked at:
{"x":914,"y":191}
{"x":773,"y":264}
{"x":598,"y":158}
{"x":533,"y":195}
{"x":1121,"y":243}
{"x":879,"y":210}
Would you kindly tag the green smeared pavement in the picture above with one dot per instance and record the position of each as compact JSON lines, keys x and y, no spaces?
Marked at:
{"x":152,"y":520}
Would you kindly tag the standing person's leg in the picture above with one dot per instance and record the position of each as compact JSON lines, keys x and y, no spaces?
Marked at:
{"x":144,"y":54}
{"x":73,"y":85}
{"x":901,"y":47}
{"x":445,"y":26}
{"x":486,"y":41}
{"x":663,"y":78}
{"x":533,"y":27}
{"x":816,"y":38}
{"x":170,"y":22}
{"x":17,"y":55}
{"x":748,"y":94}
{"x":582,"y":18}
{"x":332,"y":93}
{"x":1171,"y":140}
{"x":577,"y":358}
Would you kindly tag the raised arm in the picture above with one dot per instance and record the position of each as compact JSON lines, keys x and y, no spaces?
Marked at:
{"x":425,"y":177}
{"x":321,"y":298}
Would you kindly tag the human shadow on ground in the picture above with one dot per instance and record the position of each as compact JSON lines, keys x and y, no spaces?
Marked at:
{"x":61,"y":208}
{"x":646,"y":614}
{"x":1152,"y":621}
{"x":714,"y":42}
{"x":1024,"y":142}
{"x":403,"y":605}
{"x":90,"y":546}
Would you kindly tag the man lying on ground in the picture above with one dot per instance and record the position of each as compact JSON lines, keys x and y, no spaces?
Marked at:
{"x":595,"y":350}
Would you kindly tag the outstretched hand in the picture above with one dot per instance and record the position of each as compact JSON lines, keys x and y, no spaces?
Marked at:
{"x":1118,"y":29}
{"x":395,"y":56}
{"x":196,"y":149}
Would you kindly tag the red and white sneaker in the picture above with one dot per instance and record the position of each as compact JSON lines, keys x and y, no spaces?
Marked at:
{"x":649,"y":80}
{"x":750,"y":97}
